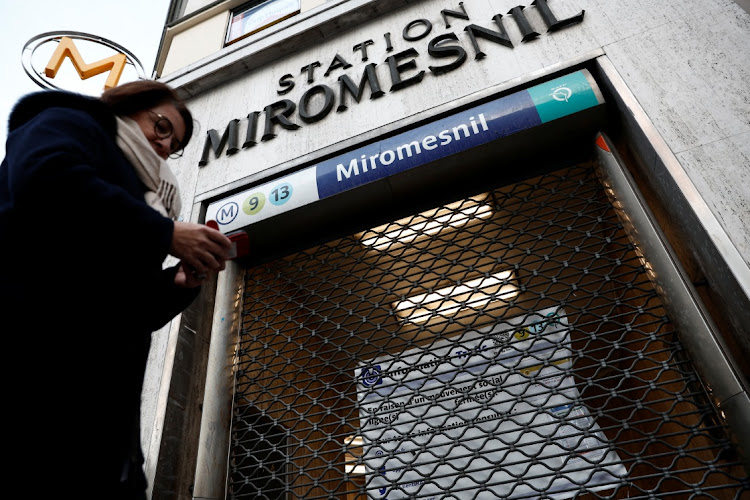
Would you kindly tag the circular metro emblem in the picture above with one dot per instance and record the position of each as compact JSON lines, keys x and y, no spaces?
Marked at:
{"x":371,"y":376}
{"x":109,"y":57}
{"x":227,"y":213}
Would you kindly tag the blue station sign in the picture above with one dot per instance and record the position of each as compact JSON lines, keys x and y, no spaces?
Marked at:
{"x":419,"y":146}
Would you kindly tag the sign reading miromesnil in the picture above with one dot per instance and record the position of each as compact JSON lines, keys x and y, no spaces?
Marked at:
{"x":467,"y":129}
{"x":447,"y":52}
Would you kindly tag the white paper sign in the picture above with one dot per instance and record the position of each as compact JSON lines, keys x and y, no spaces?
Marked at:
{"x":489,"y":414}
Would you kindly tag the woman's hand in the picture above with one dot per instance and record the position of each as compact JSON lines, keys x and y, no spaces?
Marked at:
{"x":188,"y":278}
{"x":200,"y":248}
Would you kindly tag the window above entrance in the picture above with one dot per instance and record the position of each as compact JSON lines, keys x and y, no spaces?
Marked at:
{"x":257,"y":15}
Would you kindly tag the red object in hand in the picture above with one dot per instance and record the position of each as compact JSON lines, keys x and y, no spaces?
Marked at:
{"x":240,"y":244}
{"x":240,"y":241}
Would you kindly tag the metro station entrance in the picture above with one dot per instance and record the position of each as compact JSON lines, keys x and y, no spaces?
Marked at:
{"x":509,"y":344}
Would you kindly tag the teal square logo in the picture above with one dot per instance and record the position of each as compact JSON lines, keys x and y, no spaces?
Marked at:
{"x":563,"y":96}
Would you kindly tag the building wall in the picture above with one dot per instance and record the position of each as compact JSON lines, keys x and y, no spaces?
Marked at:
{"x":680,"y":59}
{"x":196,"y":42}
{"x":684,"y":61}
{"x":193,"y":5}
{"x":203,"y":34}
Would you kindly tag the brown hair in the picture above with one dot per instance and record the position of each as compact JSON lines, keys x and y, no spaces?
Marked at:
{"x":131,"y":97}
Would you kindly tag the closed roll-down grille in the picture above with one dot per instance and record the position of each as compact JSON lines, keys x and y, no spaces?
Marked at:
{"x":508,"y":345}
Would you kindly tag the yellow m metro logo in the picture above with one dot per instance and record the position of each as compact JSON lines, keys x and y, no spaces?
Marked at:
{"x":66,"y":48}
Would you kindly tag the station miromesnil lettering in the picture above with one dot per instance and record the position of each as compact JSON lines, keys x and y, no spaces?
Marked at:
{"x":316,"y":103}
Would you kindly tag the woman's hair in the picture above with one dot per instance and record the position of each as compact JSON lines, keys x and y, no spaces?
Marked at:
{"x":131,"y":97}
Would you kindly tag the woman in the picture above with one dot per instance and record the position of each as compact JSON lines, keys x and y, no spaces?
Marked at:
{"x":87,"y":209}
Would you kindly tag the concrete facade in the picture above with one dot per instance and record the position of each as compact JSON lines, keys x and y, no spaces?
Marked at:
{"x":685,"y":63}
{"x":681,"y":60}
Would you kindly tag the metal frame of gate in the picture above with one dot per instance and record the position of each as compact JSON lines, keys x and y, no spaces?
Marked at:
{"x":626,"y":409}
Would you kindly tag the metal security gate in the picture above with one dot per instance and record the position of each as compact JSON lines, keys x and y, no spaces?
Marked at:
{"x":508,"y":345}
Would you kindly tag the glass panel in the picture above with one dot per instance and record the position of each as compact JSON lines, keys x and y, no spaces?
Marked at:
{"x":251,"y":18}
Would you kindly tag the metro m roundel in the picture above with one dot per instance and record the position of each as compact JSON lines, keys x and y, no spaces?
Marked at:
{"x":227,"y":213}
{"x":66,"y":49}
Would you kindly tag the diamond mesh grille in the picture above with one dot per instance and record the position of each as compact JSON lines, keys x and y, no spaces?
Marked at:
{"x":508,"y":345}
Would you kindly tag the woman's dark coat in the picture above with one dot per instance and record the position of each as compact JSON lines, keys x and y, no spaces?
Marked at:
{"x":81,"y":290}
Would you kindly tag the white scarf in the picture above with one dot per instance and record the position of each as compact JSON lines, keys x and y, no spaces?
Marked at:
{"x":163,"y":193}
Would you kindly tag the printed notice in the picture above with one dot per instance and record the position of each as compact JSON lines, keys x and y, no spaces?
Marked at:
{"x":492,"y":413}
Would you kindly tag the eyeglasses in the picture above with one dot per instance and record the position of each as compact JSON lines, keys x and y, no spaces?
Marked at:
{"x":163,"y":128}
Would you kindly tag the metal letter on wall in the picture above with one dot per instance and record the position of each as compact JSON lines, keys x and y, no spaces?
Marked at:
{"x":66,"y":48}
{"x":114,"y":64}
